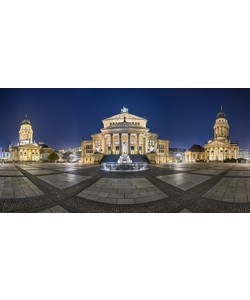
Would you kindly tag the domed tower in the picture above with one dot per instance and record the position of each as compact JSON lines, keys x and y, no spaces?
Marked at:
{"x":26,"y":132}
{"x":221,"y":127}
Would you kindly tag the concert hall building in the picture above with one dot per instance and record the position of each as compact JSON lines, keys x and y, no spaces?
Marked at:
{"x":125,"y":132}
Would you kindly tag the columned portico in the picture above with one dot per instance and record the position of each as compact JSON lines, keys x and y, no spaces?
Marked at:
{"x":123,"y":133}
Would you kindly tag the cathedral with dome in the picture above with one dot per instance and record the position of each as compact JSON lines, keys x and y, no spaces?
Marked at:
{"x":26,"y":150}
{"x":128,"y":134}
{"x":220,"y":148}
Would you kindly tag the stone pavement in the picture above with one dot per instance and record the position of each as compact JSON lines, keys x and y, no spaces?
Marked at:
{"x":185,"y":188}
{"x":183,"y":181}
{"x":123,"y":191}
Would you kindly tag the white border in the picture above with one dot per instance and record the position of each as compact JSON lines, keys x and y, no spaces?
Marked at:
{"x":124,"y":44}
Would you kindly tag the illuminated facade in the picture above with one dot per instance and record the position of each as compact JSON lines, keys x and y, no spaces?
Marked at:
{"x":194,"y":154}
{"x":220,"y":147}
{"x":26,"y":150}
{"x":125,"y":133}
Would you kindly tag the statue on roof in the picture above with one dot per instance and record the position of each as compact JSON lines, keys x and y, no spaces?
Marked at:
{"x":124,"y":110}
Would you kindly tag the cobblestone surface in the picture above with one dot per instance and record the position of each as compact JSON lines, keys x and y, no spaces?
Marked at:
{"x":185,"y":188}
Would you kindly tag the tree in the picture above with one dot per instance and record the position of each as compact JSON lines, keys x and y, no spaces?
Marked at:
{"x":53,"y":157}
{"x":67,"y":156}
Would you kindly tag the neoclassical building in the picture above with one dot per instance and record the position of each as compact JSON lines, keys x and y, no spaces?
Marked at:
{"x":194,"y":154}
{"x":125,"y":133}
{"x":26,"y":150}
{"x":220,"y":147}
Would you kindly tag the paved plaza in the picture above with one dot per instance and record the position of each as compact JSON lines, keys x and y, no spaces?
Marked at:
{"x":173,"y":188}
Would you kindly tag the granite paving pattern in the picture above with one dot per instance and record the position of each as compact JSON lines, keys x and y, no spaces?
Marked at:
{"x":123,"y":191}
{"x":207,"y":172}
{"x":41,"y":172}
{"x":55,"y":209}
{"x":18,"y":188}
{"x":63,"y":181}
{"x":184,"y":181}
{"x":173,"y":188}
{"x":239,"y":174}
{"x":230,"y":190}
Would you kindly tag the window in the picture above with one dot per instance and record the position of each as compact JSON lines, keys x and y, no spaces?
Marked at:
{"x":161,"y":148}
{"x":89,"y":149}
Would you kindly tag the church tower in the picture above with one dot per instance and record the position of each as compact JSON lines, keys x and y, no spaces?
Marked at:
{"x":221,"y":127}
{"x":26,"y":132}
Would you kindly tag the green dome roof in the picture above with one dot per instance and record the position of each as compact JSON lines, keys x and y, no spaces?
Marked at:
{"x":221,"y":114}
{"x":26,"y":121}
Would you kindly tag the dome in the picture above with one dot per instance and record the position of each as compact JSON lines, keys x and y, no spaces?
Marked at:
{"x":221,"y":114}
{"x":26,"y":121}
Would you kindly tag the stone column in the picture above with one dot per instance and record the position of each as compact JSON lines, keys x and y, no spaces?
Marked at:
{"x":112,"y":143}
{"x":138,"y":143}
{"x":104,"y":145}
{"x":129,"y":143}
{"x":144,"y":145}
{"x":120,"y":141}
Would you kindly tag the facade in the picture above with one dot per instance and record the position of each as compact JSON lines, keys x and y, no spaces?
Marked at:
{"x":4,"y":154}
{"x":194,"y":154}
{"x":220,"y":147}
{"x":26,"y":150}
{"x":125,"y":133}
{"x":45,"y":151}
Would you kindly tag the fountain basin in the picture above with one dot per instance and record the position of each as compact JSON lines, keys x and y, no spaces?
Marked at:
{"x":127,"y":167}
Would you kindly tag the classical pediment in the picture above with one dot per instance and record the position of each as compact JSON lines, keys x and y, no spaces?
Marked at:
{"x":120,"y":118}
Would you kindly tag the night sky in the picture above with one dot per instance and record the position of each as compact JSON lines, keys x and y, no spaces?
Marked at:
{"x":61,"y":117}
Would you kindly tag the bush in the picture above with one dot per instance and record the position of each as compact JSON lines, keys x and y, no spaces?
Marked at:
{"x":53,"y":157}
{"x":242,"y":161}
{"x":232,"y":160}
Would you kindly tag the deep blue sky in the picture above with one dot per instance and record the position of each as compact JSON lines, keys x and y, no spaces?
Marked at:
{"x":61,"y":117}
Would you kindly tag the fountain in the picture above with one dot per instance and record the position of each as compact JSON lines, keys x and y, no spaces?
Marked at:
{"x":124,"y":159}
{"x":124,"y":164}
